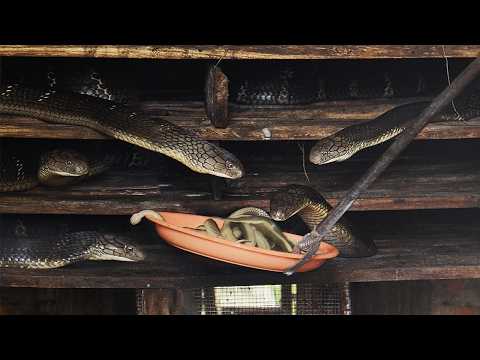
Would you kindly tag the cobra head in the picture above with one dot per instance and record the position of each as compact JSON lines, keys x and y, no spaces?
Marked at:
{"x":116,"y":247}
{"x":288,"y":201}
{"x":64,"y":162}
{"x":330,"y":149}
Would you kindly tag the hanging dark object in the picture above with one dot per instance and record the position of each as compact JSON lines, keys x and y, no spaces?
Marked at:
{"x":216,"y":97}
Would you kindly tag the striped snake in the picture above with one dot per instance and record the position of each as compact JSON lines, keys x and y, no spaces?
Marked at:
{"x":57,"y":167}
{"x":49,"y":252}
{"x":307,"y":82}
{"x":122,"y":123}
{"x":313,"y":208}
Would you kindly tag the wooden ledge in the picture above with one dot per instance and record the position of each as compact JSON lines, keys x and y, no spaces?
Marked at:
{"x":243,"y":51}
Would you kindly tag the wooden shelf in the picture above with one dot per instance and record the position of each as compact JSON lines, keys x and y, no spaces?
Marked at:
{"x":285,"y":123}
{"x":444,"y":181}
{"x":411,"y":246}
{"x":242,"y":51}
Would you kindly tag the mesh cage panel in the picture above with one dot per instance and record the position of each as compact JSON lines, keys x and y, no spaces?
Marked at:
{"x":290,"y":299}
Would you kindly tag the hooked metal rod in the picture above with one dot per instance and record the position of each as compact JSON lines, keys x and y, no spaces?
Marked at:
{"x":400,"y":143}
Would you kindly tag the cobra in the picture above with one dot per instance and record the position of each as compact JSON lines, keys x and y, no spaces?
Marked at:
{"x":122,"y":123}
{"x":313,"y":208}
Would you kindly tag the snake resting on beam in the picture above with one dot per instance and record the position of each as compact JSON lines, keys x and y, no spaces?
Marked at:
{"x":304,"y":83}
{"x":65,"y":249}
{"x":57,"y":167}
{"x":122,"y":123}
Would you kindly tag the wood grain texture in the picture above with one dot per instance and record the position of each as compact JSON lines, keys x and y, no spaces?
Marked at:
{"x":392,"y":298}
{"x":34,"y":301}
{"x":410,"y":183}
{"x":411,"y":246}
{"x":425,"y":297}
{"x":162,"y":302}
{"x":245,"y":123}
{"x":242,"y":51}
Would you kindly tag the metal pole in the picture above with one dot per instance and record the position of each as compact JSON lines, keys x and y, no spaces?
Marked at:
{"x":443,"y":99}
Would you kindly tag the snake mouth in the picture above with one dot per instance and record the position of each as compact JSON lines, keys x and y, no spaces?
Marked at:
{"x":69,"y":174}
{"x":320,"y":162}
{"x":280,"y":215}
{"x":231,"y":168}
{"x":233,"y":175}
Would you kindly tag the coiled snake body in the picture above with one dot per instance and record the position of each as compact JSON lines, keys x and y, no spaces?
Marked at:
{"x":313,"y":208}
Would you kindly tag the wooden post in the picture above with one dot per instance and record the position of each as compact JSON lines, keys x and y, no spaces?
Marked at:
{"x":159,"y":302}
{"x":216,"y":97}
{"x":444,"y":98}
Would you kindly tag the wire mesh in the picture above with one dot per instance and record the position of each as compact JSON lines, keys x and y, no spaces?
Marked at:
{"x":290,"y":299}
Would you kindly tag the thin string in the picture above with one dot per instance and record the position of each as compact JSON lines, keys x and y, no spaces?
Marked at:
{"x":448,"y":78}
{"x":221,"y":58}
{"x":302,"y":149}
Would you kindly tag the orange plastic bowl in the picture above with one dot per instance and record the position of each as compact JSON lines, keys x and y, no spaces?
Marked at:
{"x":173,"y":231}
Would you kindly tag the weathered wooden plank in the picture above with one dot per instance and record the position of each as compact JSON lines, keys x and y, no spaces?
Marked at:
{"x":242,"y":51}
{"x":443,"y":181}
{"x":35,"y":301}
{"x":160,"y":302}
{"x":392,"y":298}
{"x":26,"y":127}
{"x":284,"y":123}
{"x":433,"y":297}
{"x":411,"y":246}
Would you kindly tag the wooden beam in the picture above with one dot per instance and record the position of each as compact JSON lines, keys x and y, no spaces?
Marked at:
{"x":242,"y":51}
{"x":39,"y":301}
{"x":411,"y":246}
{"x":427,"y":297}
{"x":412,"y":183}
{"x":160,"y":302}
{"x":284,"y":123}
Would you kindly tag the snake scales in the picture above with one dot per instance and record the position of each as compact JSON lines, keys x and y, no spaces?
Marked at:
{"x":46,"y":242}
{"x":69,"y":248}
{"x":120,"y":122}
{"x":313,"y":208}
{"x":23,"y":170}
{"x":110,"y":118}
{"x":307,"y":82}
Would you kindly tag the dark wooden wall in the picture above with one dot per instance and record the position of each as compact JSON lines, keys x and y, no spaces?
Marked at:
{"x":29,"y":301}
{"x":425,"y":297}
